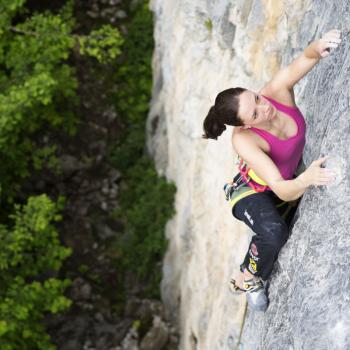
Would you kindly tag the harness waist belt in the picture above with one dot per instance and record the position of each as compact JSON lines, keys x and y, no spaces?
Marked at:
{"x":256,"y":178}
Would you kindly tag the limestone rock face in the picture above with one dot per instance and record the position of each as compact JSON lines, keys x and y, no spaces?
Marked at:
{"x":310,"y":287}
{"x":202,"y":48}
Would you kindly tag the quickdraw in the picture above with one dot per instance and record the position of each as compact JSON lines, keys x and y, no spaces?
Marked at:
{"x":245,"y":171}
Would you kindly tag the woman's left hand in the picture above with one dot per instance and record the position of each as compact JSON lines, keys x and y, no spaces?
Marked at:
{"x":329,"y":40}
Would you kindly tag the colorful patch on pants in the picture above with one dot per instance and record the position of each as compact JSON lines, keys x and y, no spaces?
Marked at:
{"x":254,"y":249}
{"x":253,"y":252}
{"x":252,"y":265}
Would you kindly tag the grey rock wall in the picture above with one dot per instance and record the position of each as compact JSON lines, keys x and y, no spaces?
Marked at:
{"x":203,"y":47}
{"x":310,"y":288}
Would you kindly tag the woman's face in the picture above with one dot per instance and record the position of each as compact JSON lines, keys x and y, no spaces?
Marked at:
{"x":254,"y":109}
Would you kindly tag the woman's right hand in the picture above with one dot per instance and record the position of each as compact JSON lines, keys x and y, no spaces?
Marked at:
{"x":316,"y":175}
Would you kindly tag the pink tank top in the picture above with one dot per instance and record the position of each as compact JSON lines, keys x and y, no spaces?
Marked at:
{"x":286,"y":154}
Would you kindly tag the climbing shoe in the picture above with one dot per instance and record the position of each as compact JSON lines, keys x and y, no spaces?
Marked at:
{"x":255,"y":293}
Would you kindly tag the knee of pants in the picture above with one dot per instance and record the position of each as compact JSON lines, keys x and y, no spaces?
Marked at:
{"x":274,"y":235}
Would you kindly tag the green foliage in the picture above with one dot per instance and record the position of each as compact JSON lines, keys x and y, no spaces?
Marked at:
{"x":29,"y":248}
{"x":103,"y":44}
{"x":46,"y":40}
{"x":38,"y":98}
{"x":8,"y":9}
{"x":134,"y":79}
{"x":125,"y":153}
{"x":135,"y":75}
{"x":136,"y":324}
{"x":37,"y":80}
{"x":146,"y":200}
{"x":46,"y":155}
{"x":83,"y":269}
{"x":38,"y":83}
{"x":146,"y":204}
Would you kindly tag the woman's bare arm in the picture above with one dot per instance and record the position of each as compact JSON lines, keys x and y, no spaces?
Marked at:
{"x":288,"y":76}
{"x":266,"y":169}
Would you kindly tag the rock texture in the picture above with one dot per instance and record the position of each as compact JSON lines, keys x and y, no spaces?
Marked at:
{"x":203,"y":47}
{"x":310,"y":287}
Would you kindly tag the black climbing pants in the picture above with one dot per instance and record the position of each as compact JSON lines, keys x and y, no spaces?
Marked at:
{"x":270,"y":219}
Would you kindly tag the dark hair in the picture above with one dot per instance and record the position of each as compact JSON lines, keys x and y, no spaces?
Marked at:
{"x":224,"y":111}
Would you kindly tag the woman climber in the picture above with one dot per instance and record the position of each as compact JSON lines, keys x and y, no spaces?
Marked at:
{"x":269,"y":137}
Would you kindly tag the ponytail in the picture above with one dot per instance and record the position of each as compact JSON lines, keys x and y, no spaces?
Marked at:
{"x":225,"y":111}
{"x":212,"y":125}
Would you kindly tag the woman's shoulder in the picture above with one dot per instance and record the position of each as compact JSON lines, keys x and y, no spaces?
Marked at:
{"x":283,"y":96}
{"x":240,"y":134}
{"x":247,"y":137}
{"x":247,"y":145}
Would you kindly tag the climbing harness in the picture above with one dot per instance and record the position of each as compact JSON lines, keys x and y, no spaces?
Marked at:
{"x":251,"y":179}
{"x":244,"y":184}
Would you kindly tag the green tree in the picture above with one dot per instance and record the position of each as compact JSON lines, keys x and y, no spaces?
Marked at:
{"x":145,"y":200}
{"x":38,"y":82}
{"x":38,"y":51}
{"x":30,"y":248}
